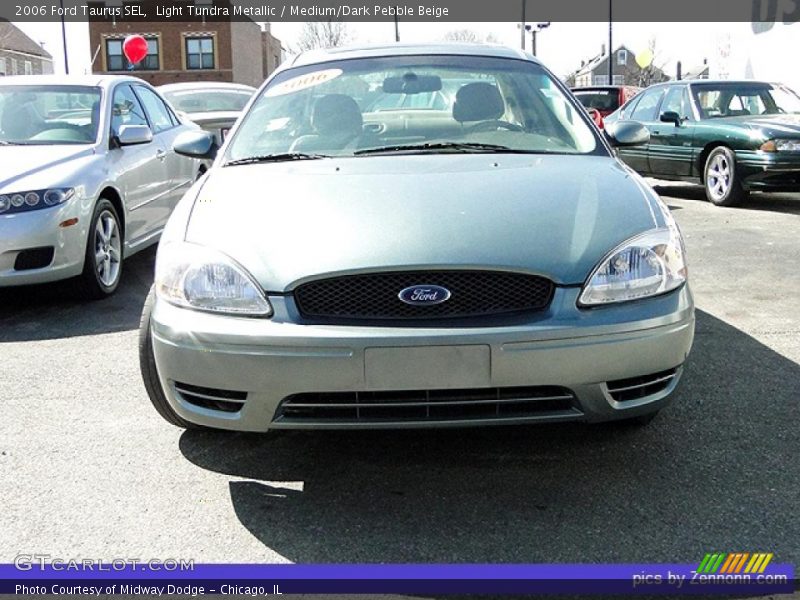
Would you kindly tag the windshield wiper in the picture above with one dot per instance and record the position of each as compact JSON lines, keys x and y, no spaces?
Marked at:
{"x":279,"y":157}
{"x":451,"y":146}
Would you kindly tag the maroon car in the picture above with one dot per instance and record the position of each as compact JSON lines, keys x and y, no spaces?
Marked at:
{"x":602,"y":100}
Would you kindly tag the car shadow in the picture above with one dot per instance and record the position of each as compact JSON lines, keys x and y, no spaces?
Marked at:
{"x":55,"y":310}
{"x":715,"y":470}
{"x":782,"y":202}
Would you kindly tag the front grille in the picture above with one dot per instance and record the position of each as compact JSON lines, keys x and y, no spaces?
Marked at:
{"x":428,"y":405}
{"x":34,"y":258}
{"x":213,"y":399}
{"x":635,"y":388}
{"x":374,"y":296}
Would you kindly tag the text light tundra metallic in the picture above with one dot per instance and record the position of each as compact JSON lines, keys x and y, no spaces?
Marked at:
{"x":298,"y":283}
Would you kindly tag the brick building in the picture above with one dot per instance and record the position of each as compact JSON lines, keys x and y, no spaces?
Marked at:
{"x":20,"y":55}
{"x":212,"y":50}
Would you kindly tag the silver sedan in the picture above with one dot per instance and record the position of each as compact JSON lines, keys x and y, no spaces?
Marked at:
{"x":485,"y":262}
{"x":89,"y":177}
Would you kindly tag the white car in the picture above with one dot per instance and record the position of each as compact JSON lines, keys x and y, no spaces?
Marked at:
{"x":214,"y":106}
{"x":89,"y":177}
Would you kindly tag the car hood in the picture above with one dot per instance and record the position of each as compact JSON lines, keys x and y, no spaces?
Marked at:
{"x":552,"y":215}
{"x":771,"y":125}
{"x":24,"y":166}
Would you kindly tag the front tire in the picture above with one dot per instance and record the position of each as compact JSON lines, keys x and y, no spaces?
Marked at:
{"x":149,"y":370}
{"x":102,"y":264}
{"x":721,"y":181}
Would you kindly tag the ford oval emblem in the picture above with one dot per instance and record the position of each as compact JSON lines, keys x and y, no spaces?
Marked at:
{"x":421,"y":295}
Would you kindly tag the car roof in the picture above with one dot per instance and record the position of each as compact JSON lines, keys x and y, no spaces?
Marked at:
{"x":727,"y":82}
{"x":379,"y":50}
{"x":209,"y":85}
{"x":67,"y":80}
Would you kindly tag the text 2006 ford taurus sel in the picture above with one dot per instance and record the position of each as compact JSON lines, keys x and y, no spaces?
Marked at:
{"x":481,"y":261}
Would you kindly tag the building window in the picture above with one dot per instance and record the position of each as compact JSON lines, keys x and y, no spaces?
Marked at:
{"x":600,"y":80}
{"x":2,"y":66}
{"x":14,"y":66}
{"x":619,"y":79}
{"x":28,"y":68}
{"x":199,"y":52}
{"x":622,"y":57}
{"x":116,"y":60}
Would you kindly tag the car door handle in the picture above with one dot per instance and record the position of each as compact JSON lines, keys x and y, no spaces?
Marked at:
{"x":161,"y":154}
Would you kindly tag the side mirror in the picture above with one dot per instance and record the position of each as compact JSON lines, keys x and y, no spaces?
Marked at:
{"x":131,"y":135}
{"x":627,"y":133}
{"x":196,"y":144}
{"x":670,"y":117}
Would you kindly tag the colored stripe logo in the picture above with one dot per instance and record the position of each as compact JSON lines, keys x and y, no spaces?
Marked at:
{"x":734,"y":562}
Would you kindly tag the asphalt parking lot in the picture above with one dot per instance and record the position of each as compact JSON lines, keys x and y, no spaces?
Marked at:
{"x":90,"y":470}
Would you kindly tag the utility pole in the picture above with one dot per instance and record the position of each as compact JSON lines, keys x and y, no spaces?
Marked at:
{"x":537,"y":28}
{"x":610,"y":44}
{"x":64,"y":37}
{"x":396,"y":26}
{"x":522,"y":27}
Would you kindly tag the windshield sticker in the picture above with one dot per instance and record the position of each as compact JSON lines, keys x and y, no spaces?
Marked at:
{"x":295,"y":84}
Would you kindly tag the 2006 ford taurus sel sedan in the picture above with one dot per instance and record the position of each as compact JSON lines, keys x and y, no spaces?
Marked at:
{"x":484,"y":262}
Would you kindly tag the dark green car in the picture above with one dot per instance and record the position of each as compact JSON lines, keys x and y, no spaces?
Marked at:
{"x":733,"y":136}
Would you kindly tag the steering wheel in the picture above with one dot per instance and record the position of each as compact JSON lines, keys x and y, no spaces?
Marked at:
{"x":495,"y":125}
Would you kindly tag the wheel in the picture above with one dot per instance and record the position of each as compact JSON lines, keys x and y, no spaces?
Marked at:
{"x":149,"y":370}
{"x":723,"y":186}
{"x":102,"y":265}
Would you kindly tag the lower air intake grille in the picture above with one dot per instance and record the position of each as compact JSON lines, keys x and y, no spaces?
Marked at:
{"x":635,"y":388}
{"x":428,"y":405}
{"x":374,"y":296}
{"x":223,"y":400}
{"x":34,"y":258}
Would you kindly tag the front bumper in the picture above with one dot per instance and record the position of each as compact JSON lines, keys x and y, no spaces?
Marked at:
{"x":769,"y":171}
{"x":265,"y":362}
{"x":40,"y":229}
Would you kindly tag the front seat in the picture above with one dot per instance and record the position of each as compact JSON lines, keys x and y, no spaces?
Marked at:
{"x":337,"y":124}
{"x":478,"y":101}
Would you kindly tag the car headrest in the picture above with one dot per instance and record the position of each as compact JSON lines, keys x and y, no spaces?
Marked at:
{"x":478,"y":102}
{"x":337,"y":114}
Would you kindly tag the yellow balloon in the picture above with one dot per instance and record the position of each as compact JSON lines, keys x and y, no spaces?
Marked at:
{"x":644,"y":58}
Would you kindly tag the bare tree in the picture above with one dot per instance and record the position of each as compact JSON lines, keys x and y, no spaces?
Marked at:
{"x":322,"y":34}
{"x":469,"y":36}
{"x":654,"y":72}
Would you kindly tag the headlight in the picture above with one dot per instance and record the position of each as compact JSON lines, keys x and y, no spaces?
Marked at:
{"x":34,"y":200}
{"x":197,"y":277}
{"x":647,"y":265}
{"x":781,"y":146}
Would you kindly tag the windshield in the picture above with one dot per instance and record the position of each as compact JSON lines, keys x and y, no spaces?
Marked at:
{"x":35,"y":114}
{"x":205,"y":100}
{"x":744,"y":99}
{"x":431,"y":103}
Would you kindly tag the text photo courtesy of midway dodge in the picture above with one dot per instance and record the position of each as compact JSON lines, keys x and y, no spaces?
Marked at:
{"x":481,"y":261}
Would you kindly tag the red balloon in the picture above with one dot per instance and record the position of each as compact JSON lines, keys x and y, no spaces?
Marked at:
{"x":135,"y":48}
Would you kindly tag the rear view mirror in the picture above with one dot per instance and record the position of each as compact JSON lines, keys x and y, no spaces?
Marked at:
{"x":411,"y":83}
{"x":627,"y":133}
{"x":196,"y":144}
{"x":131,"y":135}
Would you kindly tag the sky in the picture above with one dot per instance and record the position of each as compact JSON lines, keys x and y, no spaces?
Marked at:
{"x":561,"y":47}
